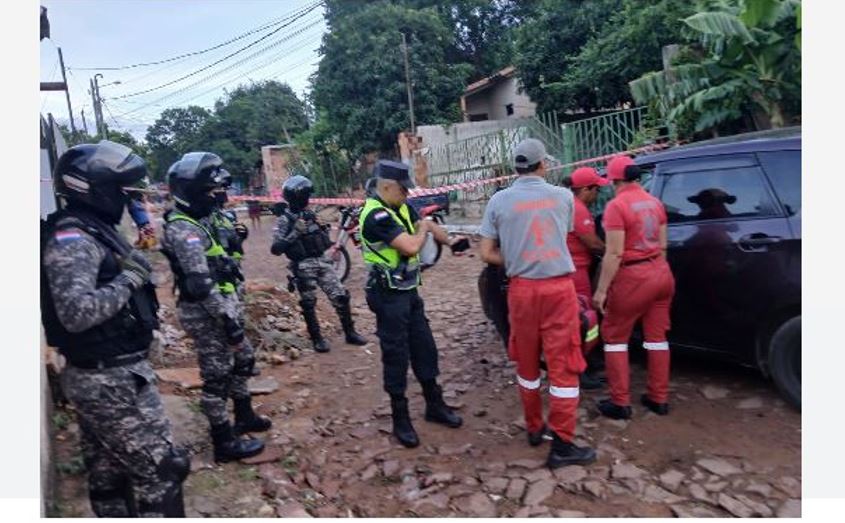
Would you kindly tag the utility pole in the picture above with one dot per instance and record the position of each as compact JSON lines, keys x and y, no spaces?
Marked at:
{"x":67,"y":92}
{"x":94,"y":103}
{"x":408,"y":84}
{"x":98,"y":108}
{"x":84,"y":123}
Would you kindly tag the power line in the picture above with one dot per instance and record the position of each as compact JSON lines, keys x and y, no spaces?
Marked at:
{"x":203,"y":51}
{"x":228,"y":68}
{"x":230,"y":55}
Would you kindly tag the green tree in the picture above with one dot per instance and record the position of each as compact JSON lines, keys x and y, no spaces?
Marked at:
{"x":553,"y":33}
{"x":627,"y":46}
{"x":360,"y":82}
{"x":176,"y":131}
{"x":744,"y":64}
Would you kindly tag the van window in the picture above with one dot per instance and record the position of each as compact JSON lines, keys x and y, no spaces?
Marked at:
{"x":784,"y":171}
{"x":715,"y":194}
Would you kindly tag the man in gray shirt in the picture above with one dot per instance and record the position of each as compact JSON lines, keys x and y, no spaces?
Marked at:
{"x":524,"y":228}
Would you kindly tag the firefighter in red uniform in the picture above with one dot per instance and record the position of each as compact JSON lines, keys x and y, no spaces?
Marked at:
{"x":636,"y":283}
{"x":524,"y":228}
{"x":583,"y":242}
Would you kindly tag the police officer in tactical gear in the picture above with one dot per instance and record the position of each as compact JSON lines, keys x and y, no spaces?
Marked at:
{"x":209,"y":309}
{"x":393,"y":235}
{"x":304,"y":241}
{"x":99,"y":309}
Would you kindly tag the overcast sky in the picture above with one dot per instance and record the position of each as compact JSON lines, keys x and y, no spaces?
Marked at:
{"x":117,"y":33}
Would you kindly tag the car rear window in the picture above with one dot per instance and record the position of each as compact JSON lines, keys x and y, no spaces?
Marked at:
{"x":784,"y":171}
{"x":715,"y":194}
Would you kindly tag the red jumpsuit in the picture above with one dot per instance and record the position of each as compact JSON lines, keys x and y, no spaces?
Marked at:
{"x":543,"y":315}
{"x":581,"y":256}
{"x":642,"y":289}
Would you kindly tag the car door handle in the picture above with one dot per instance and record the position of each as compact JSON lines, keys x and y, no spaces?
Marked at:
{"x":755,"y":241}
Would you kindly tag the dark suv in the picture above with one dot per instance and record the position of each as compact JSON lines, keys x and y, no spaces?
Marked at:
{"x":734,"y":210}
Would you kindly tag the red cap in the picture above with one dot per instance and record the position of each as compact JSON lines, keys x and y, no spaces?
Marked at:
{"x":616,"y":167}
{"x":585,"y":177}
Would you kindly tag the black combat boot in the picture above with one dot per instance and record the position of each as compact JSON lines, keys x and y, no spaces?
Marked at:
{"x":436,"y":409}
{"x":537,"y":438}
{"x":402,"y":428}
{"x":588,"y":381}
{"x":344,"y":312}
{"x":614,"y":411}
{"x":313,"y":324}
{"x":229,"y":448}
{"x":661,"y":409}
{"x":246,"y":420}
{"x":564,"y":453}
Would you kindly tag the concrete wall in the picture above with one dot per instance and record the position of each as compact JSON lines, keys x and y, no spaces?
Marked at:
{"x":507,"y":92}
{"x":438,"y":135}
{"x":494,"y":101}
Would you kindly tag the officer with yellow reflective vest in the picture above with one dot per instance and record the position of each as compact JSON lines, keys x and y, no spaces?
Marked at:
{"x":206,"y":279}
{"x":393,"y":235}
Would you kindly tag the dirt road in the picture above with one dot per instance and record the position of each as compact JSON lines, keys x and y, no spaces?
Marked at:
{"x":729,"y":447}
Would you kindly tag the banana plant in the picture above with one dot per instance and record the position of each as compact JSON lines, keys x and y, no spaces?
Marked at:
{"x":743,"y":55}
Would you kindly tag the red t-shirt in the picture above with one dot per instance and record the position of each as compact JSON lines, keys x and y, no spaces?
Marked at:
{"x":584,"y":224}
{"x":640,"y":216}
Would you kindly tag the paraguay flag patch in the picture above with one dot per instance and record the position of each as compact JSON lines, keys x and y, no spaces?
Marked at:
{"x":381,"y":215}
{"x":67,"y":236}
{"x":193,"y":239}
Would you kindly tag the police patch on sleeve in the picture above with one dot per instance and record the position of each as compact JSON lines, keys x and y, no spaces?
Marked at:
{"x":381,"y":215}
{"x":68,"y":236}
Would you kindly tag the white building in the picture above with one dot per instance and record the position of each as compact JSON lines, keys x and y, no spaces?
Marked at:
{"x":496,"y":97}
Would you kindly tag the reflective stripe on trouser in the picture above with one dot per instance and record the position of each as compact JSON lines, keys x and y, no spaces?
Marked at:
{"x":543,"y":315}
{"x":404,"y":336}
{"x":644,"y":290}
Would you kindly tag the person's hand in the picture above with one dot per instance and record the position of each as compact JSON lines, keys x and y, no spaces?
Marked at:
{"x":599,"y":301}
{"x":300,"y":225}
{"x":139,"y":258}
{"x":234,"y":331}
{"x":458,"y":245}
{"x":135,"y":273}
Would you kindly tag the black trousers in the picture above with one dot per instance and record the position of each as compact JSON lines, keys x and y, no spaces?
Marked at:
{"x":405,"y":337}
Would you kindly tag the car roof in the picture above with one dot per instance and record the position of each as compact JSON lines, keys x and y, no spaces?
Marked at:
{"x":788,"y":138}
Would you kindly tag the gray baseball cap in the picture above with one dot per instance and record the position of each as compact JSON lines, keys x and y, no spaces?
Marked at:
{"x":528,"y":152}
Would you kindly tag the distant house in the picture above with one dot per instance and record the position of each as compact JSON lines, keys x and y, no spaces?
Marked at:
{"x":496,"y":97}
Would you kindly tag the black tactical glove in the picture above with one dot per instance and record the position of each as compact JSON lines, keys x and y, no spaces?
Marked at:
{"x":135,"y":272}
{"x":459,"y":246}
{"x":241,"y":230}
{"x":234,"y":331}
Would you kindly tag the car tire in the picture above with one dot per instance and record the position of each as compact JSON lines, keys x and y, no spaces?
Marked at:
{"x":785,"y":360}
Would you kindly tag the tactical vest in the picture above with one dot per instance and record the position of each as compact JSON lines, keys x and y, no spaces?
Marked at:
{"x":129,"y":331}
{"x":310,"y":244}
{"x":223,"y":269}
{"x":388,"y":266}
{"x":225,"y":231}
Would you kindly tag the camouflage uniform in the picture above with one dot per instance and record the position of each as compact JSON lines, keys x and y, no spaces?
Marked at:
{"x":312,"y":273}
{"x":125,"y":435}
{"x":203,"y":321}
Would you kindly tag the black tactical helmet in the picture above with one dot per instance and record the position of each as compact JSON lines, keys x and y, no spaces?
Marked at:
{"x":297,"y":191}
{"x":192,"y":178}
{"x":94,"y":175}
{"x":225,"y":181}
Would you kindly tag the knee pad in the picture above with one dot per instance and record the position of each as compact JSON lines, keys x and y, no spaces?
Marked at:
{"x":217,"y":386}
{"x":175,"y":466}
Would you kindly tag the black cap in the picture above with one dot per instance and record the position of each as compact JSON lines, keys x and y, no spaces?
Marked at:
{"x":396,"y":171}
